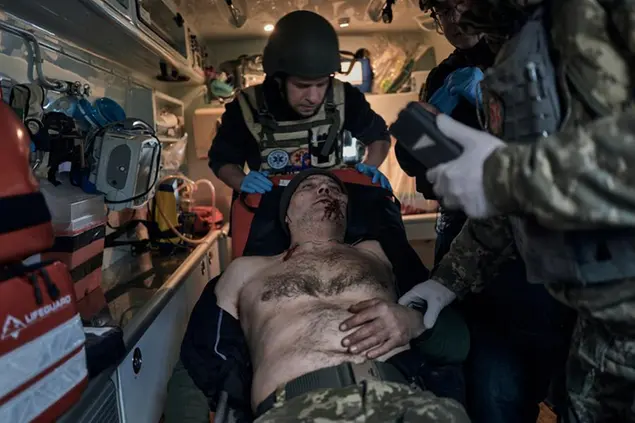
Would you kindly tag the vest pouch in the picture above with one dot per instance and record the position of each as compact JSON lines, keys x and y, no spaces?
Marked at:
{"x":577,"y":257}
{"x":319,"y":139}
{"x":520,"y":94}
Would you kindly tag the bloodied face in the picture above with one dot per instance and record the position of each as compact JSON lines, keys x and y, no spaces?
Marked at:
{"x":318,"y":199}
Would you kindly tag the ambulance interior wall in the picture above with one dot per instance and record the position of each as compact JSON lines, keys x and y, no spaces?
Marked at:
{"x":220,"y":51}
{"x":69,"y":62}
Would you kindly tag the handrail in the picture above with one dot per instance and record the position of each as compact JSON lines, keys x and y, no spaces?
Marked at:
{"x":141,"y":321}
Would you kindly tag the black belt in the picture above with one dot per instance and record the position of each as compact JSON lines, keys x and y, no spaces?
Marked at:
{"x":340,"y":376}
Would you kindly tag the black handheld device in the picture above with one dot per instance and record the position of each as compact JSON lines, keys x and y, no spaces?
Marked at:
{"x":416,"y":130}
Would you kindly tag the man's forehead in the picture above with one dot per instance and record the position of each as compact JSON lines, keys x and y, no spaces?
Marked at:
{"x":318,"y":178}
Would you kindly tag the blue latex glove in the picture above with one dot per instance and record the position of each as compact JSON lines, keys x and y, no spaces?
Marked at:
{"x":256,"y":182}
{"x":444,"y":100}
{"x":374,"y":173}
{"x":466,"y":82}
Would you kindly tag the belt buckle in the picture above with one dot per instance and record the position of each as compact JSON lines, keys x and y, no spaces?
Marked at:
{"x":364,"y":371}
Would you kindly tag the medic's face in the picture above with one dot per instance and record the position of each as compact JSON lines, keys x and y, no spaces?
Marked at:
{"x":305,"y":96}
{"x":318,"y":198}
{"x":449,"y":13}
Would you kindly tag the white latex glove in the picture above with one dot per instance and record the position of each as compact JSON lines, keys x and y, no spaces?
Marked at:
{"x":459,"y":183}
{"x":434,"y":294}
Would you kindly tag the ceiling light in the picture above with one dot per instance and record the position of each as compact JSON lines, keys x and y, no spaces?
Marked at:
{"x":344,"y":22}
{"x":268,"y":27}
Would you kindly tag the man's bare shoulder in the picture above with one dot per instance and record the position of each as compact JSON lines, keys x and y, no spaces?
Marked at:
{"x":375,"y":248}
{"x":240,"y":271}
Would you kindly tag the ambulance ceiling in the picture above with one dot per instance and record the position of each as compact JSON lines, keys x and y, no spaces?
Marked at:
{"x":212,"y":19}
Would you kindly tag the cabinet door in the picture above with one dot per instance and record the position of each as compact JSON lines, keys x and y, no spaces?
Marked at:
{"x":214,"y":259}
{"x":204,"y":272}
{"x":143,"y":375}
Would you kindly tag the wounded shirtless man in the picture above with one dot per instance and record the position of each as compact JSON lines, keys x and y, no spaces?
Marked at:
{"x":311,"y":317}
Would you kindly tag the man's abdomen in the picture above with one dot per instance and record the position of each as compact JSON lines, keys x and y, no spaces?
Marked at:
{"x":300,"y":337}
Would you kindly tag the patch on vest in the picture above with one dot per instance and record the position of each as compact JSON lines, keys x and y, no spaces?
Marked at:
{"x":495,"y":113}
{"x":301,"y":159}
{"x":278,"y":159}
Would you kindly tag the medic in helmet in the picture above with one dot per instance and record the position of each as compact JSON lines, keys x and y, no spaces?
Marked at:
{"x":295,"y":118}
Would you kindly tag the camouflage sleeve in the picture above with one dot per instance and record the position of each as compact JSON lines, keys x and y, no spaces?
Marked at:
{"x":475,"y":255}
{"x":584,"y":176}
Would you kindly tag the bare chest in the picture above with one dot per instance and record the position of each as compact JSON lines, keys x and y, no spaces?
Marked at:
{"x":322,"y":274}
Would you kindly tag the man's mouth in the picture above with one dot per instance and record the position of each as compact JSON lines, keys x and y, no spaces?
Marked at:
{"x":332,"y":209}
{"x":306,"y":109}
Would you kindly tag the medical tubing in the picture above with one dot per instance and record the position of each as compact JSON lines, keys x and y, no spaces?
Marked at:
{"x":193,"y":185}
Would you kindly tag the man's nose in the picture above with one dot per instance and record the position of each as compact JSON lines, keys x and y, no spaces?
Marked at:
{"x":324,"y":190}
{"x":313,"y":95}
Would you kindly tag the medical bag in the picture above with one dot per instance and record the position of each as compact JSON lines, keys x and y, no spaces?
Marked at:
{"x":42,"y":357}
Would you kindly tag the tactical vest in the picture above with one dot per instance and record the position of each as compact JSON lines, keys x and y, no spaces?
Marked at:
{"x":522,"y":102}
{"x":291,"y":146}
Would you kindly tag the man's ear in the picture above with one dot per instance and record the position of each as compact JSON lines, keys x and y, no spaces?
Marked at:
{"x":287,"y":220}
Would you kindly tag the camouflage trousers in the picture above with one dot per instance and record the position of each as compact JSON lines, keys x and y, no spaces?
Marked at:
{"x":368,"y":402}
{"x":600,"y":375}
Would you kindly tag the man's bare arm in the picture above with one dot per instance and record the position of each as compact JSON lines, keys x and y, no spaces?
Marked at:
{"x":238,"y":273}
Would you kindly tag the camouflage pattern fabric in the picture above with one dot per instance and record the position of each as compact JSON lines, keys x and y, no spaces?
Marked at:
{"x":601,"y":365}
{"x":581,"y":177}
{"x":368,"y":402}
{"x":476,"y":254}
{"x":600,"y":375}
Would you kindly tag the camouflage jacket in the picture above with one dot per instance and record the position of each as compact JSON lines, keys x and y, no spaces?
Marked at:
{"x":476,"y":254}
{"x":580,"y":177}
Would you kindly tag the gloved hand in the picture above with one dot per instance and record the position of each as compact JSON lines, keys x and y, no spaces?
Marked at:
{"x":256,"y":182}
{"x":373,"y":172}
{"x":444,"y":100}
{"x":434,"y":294}
{"x":466,"y":82}
{"x":459,"y":183}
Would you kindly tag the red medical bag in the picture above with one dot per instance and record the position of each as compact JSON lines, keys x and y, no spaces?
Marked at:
{"x":42,"y":357}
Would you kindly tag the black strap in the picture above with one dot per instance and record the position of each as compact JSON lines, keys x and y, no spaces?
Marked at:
{"x":333,"y":116}
{"x":23,"y":211}
{"x":339,"y":376}
{"x":69,"y":244}
{"x":29,"y":272}
{"x":265,"y":118}
{"x":87,"y":267}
